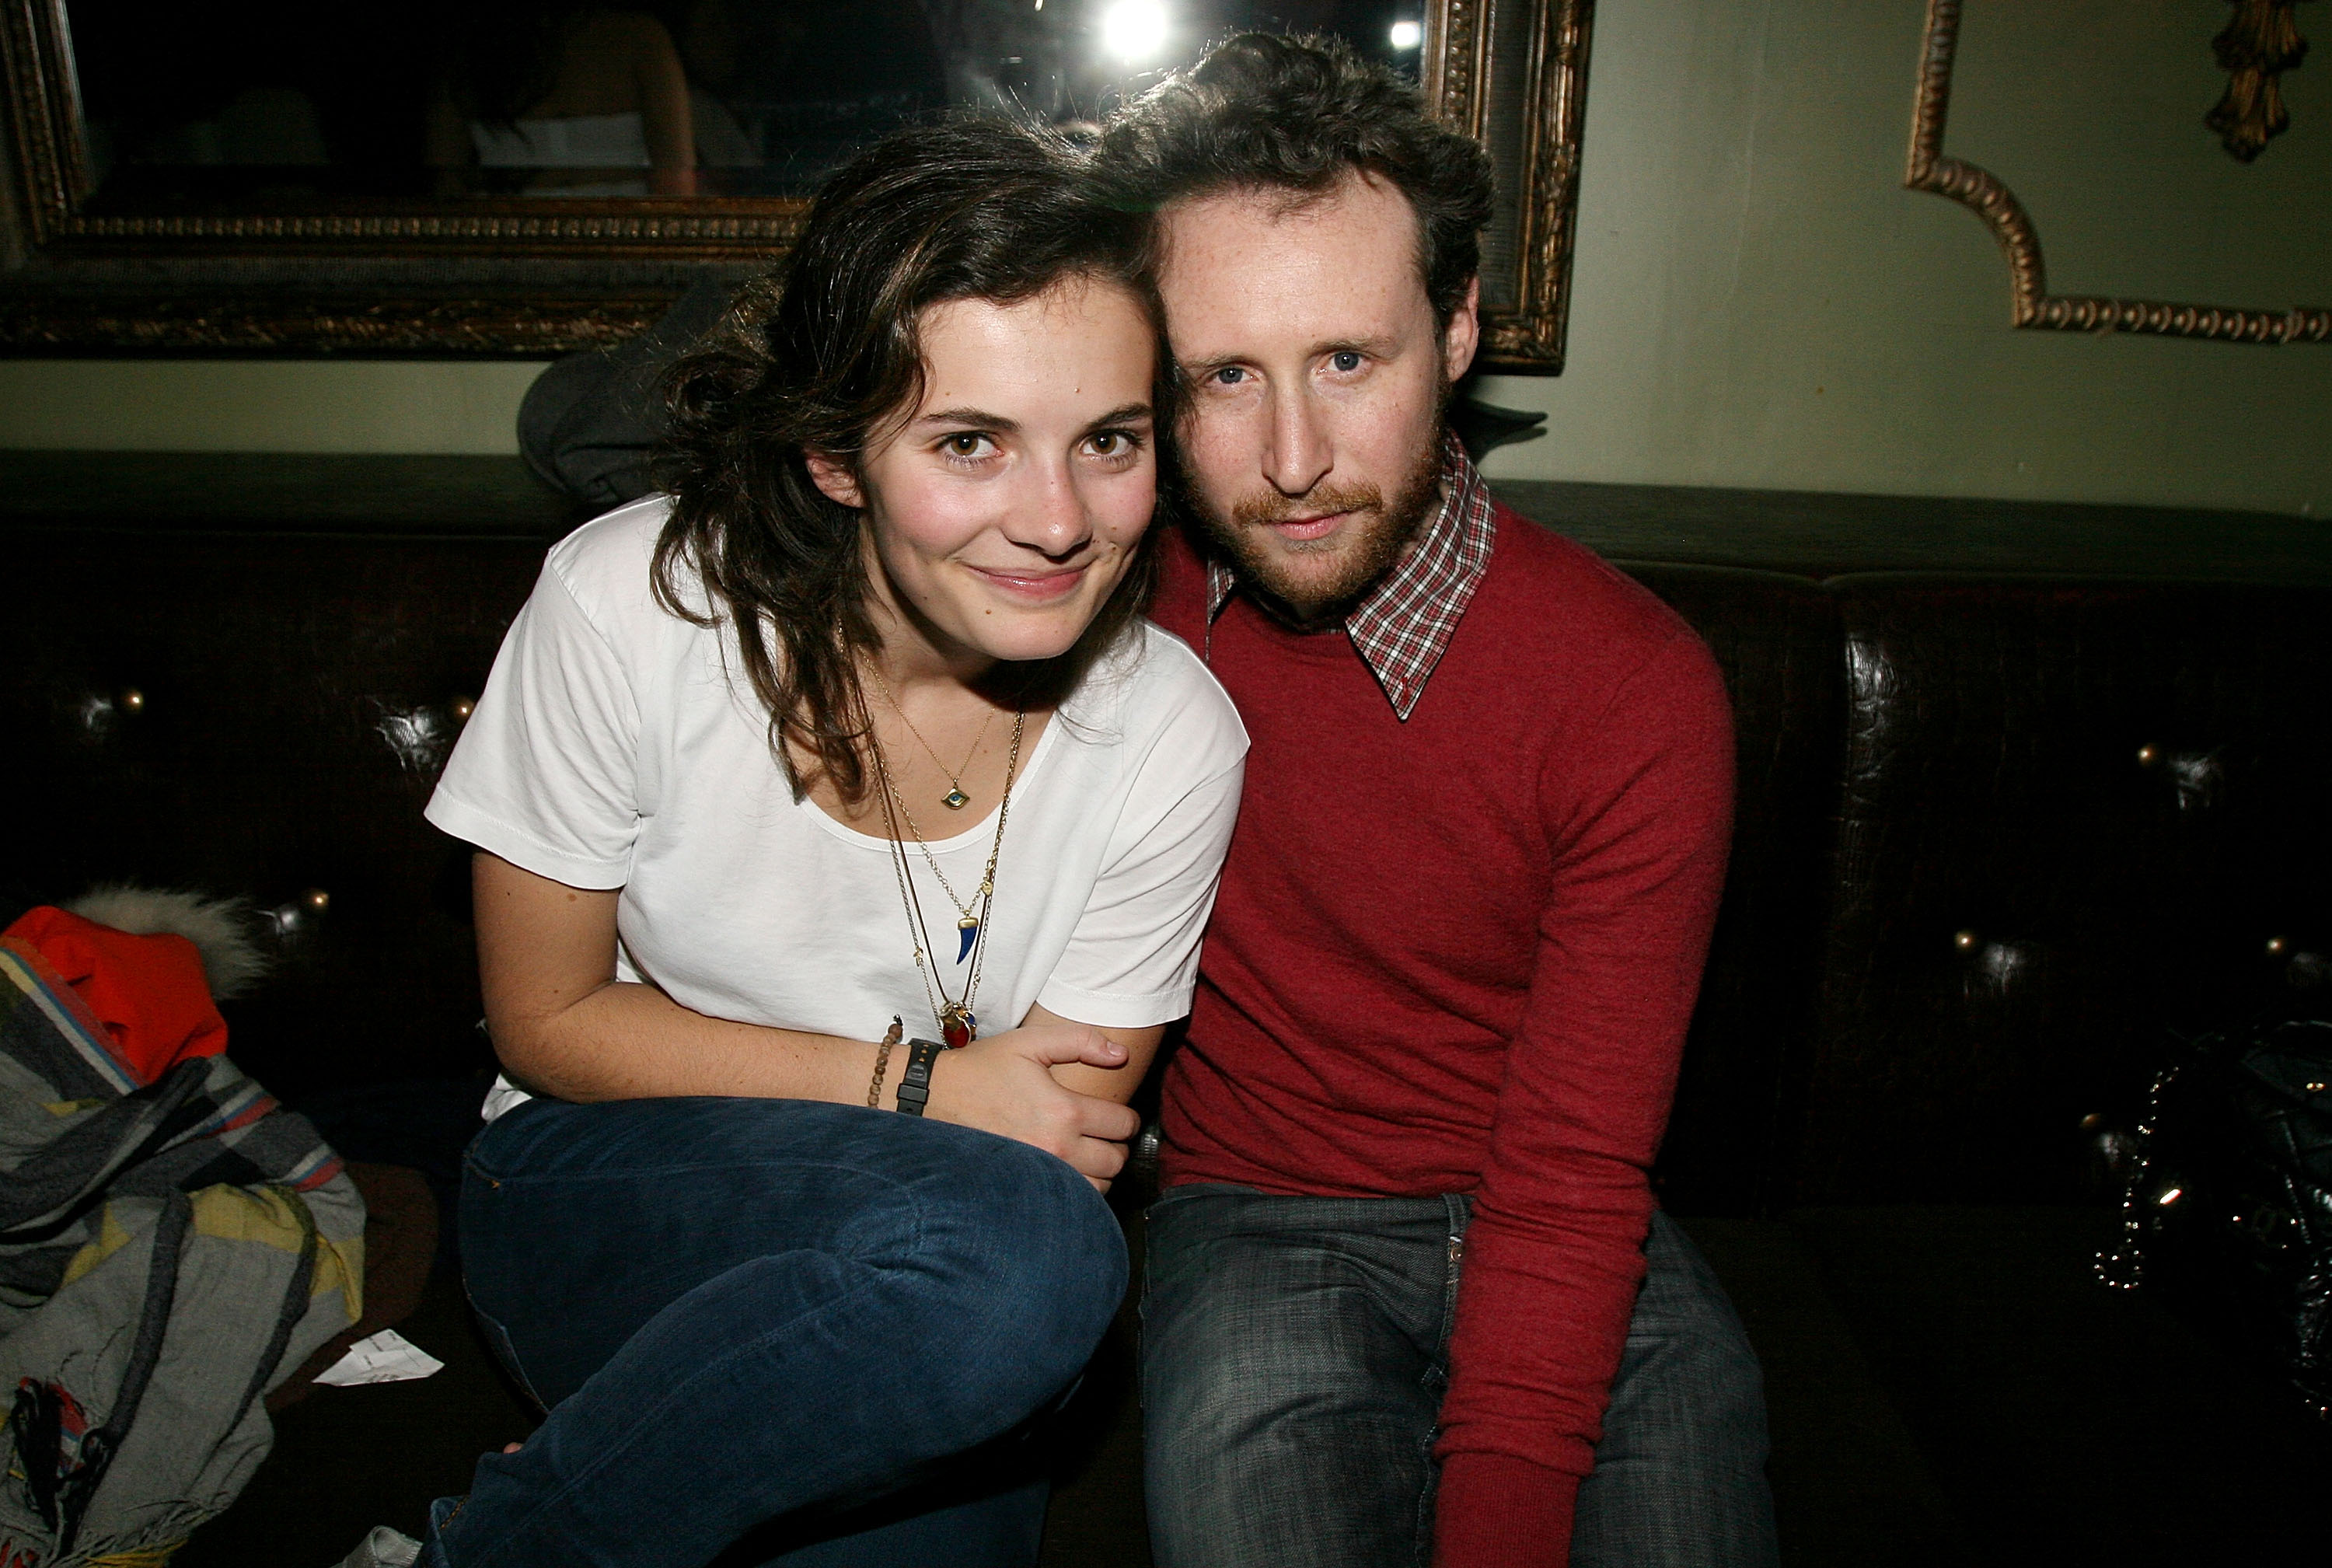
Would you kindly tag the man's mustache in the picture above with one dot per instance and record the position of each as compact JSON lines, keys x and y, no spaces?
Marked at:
{"x":1272,"y":507}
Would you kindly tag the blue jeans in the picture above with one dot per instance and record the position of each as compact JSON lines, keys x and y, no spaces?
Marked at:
{"x":1294,"y":1355}
{"x":739,"y":1311}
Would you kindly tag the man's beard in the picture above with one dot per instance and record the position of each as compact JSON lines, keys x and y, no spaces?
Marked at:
{"x":1372,"y":541}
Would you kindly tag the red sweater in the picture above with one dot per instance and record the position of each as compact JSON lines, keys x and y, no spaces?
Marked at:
{"x":1458,"y":955}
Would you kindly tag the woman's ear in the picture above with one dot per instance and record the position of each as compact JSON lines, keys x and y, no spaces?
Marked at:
{"x":835,"y":480}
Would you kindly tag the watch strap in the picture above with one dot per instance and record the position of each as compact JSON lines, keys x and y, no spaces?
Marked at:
{"x":915,"y":1083}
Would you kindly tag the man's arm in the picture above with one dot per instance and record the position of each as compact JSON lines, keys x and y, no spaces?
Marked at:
{"x":1642,"y":824}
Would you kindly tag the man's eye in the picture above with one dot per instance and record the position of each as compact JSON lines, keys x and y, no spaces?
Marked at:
{"x":1345,"y":360}
{"x":1229,"y":375}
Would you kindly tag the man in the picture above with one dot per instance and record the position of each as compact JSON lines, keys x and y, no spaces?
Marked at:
{"x":1392,"y":1275}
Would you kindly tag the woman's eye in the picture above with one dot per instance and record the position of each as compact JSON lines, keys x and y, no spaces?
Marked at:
{"x":1110,"y":443}
{"x":1345,"y":360}
{"x":967,"y":445}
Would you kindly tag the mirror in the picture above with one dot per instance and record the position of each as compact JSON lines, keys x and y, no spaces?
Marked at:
{"x":535,"y":176}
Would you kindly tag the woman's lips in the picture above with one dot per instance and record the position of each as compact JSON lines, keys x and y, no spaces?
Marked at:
{"x":1037,"y":587}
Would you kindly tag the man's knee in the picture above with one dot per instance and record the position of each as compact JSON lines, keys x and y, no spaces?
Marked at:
{"x":1686,"y":1324}
{"x":1679,"y":1478}
{"x":1211,"y":1352}
{"x":1265,"y":1370}
{"x":1201,"y":1356}
{"x":1689,"y":1396}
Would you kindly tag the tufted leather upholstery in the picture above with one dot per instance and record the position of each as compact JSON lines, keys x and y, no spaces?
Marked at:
{"x":2073,"y":818}
{"x":293,"y":696}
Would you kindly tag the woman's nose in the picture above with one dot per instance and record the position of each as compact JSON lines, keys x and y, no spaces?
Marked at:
{"x":1052,"y":517}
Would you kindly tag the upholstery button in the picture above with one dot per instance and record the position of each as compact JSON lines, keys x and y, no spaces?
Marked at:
{"x":295,"y":919}
{"x":97,"y":712}
{"x":419,"y":737}
{"x":2196,"y":776}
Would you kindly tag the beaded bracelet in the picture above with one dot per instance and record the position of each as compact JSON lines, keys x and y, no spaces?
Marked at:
{"x":882,"y":1063}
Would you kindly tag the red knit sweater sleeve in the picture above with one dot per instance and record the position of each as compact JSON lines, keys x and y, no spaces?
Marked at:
{"x":1638,"y":803}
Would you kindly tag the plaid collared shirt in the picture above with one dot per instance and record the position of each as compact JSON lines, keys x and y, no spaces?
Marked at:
{"x":1403,"y":627}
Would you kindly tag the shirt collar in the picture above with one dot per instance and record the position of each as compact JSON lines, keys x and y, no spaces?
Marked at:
{"x":1402,"y":629}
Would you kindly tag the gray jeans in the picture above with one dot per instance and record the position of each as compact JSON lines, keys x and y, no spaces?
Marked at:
{"x":1294,"y":1355}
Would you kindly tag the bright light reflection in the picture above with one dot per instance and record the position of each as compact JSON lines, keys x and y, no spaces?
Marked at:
{"x":1408,"y":34}
{"x":1133,"y":30}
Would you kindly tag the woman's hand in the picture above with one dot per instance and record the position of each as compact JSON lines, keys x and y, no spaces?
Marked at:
{"x":1004,"y":1086}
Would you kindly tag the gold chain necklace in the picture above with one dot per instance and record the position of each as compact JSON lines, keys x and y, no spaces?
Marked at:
{"x":955,"y":799}
{"x":966,"y":920}
{"x":957,"y":1024}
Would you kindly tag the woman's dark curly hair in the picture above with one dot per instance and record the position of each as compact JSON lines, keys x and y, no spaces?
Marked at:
{"x":822,"y":355}
{"x":1302,"y":115}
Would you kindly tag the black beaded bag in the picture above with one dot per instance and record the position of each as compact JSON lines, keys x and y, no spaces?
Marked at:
{"x":2229,"y":1212}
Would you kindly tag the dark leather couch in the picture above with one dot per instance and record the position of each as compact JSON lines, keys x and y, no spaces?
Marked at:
{"x":2026,"y":793}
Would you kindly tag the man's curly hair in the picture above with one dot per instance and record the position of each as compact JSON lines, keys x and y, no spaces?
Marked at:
{"x":1302,"y":115}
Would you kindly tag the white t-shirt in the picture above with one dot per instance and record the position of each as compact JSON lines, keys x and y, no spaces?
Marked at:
{"x":612,"y":748}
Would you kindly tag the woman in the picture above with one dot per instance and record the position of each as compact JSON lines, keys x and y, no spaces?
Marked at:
{"x":854,"y":743}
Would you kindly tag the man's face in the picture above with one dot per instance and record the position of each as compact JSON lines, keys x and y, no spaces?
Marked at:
{"x":1318,"y":376}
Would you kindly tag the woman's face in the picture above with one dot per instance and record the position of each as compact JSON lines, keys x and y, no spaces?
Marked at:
{"x":1002,"y":511}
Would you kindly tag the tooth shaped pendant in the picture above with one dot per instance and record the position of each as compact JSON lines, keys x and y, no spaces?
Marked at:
{"x":955,"y":799}
{"x":967,"y":931}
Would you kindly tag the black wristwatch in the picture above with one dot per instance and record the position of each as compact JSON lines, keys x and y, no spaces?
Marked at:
{"x":915,"y":1083}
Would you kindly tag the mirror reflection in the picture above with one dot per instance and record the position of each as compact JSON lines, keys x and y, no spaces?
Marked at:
{"x":218,"y":104}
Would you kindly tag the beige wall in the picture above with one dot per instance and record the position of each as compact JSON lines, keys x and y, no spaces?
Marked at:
{"x":263,"y":404}
{"x":1758,"y":300}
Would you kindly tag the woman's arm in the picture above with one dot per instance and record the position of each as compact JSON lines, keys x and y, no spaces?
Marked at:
{"x":563,"y":1025}
{"x":665,"y":117}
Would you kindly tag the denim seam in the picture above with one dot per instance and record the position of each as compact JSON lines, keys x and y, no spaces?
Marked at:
{"x":505,"y":1350}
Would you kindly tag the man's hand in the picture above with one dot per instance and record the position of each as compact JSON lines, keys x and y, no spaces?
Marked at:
{"x":1004,"y":1086}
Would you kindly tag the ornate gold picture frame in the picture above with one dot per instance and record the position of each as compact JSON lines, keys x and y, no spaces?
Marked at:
{"x":2032,"y":305}
{"x":528,"y":277}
